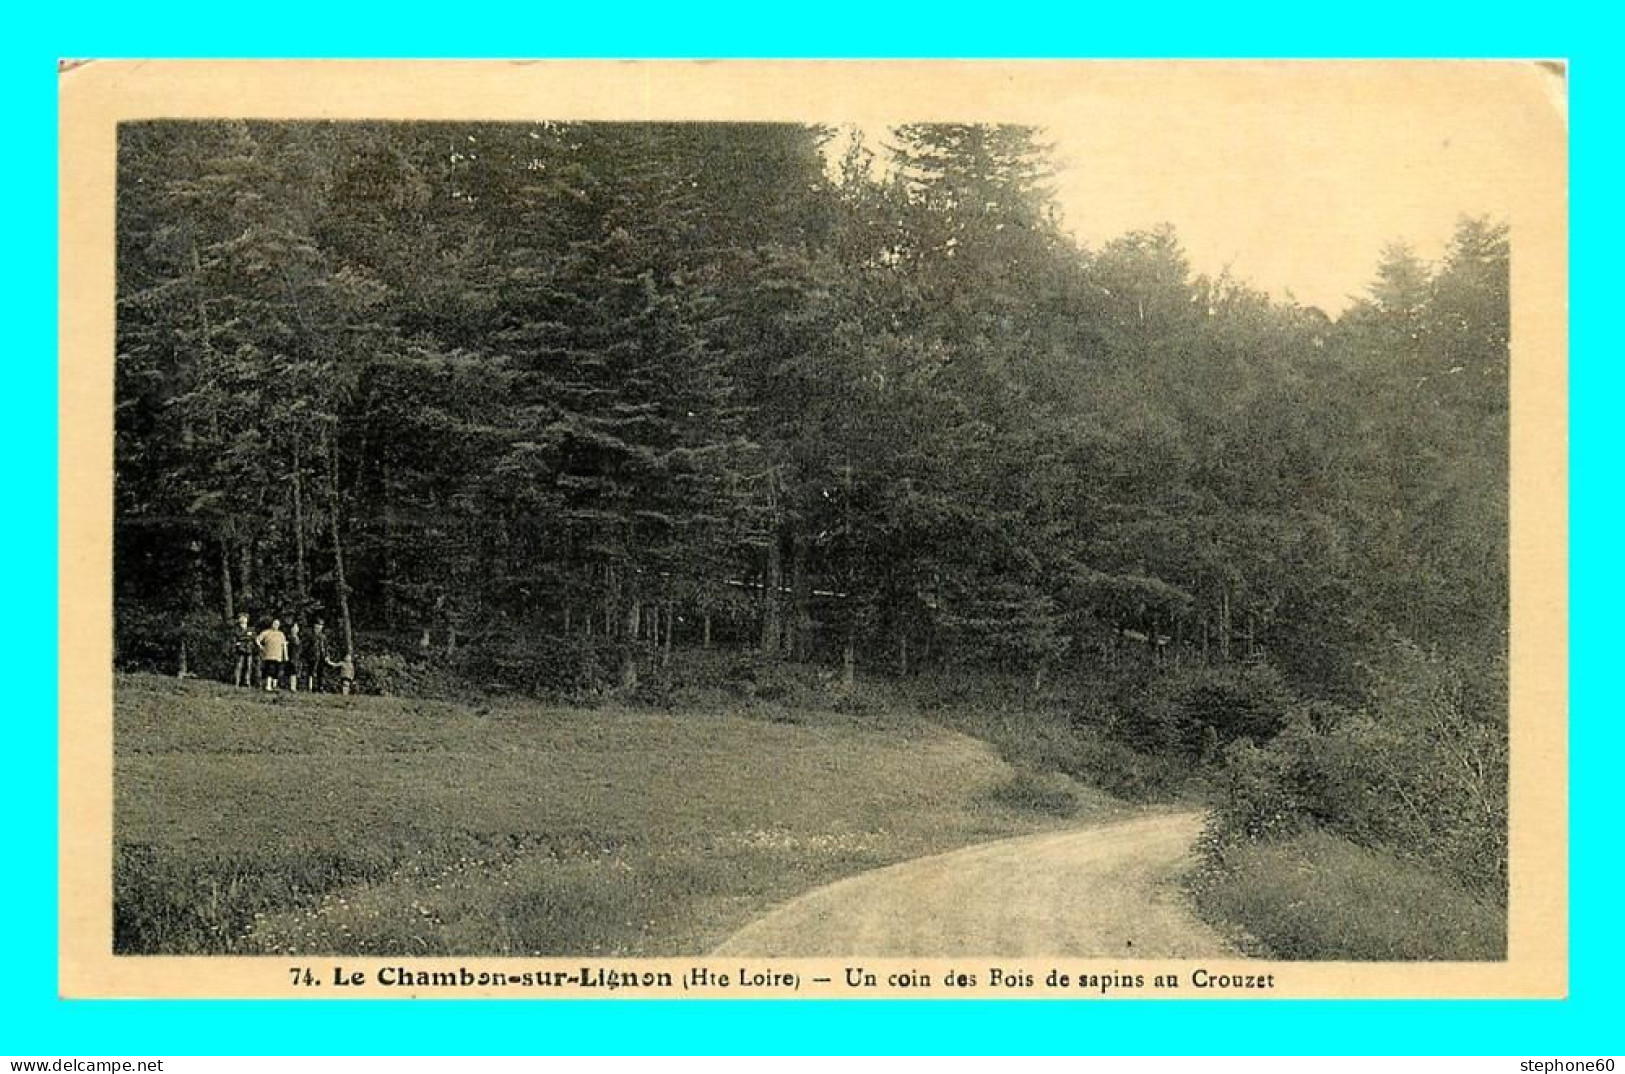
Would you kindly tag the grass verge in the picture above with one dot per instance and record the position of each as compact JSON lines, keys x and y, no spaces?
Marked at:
{"x":1319,"y":896}
{"x":261,"y":823}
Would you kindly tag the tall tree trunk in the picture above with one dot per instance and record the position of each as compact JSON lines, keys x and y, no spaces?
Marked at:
{"x":1224,"y":623}
{"x":341,"y":583}
{"x":902,"y":649}
{"x":301,"y":572}
{"x":207,"y":332}
{"x":245,"y":570}
{"x":194,"y":598}
{"x":772,"y":576}
{"x":225,"y":579}
{"x":771,"y":580}
{"x":800,"y":597}
{"x":706,"y":642}
{"x":629,"y":646}
{"x":391,"y":579}
{"x":665,"y":641}
{"x":849,"y":653}
{"x":250,"y":597}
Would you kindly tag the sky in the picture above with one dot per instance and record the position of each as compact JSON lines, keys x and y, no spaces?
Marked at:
{"x":1293,"y":175}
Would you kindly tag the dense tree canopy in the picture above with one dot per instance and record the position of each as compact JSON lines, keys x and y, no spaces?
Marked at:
{"x":604,"y":390}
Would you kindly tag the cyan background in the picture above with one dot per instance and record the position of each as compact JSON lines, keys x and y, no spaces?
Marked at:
{"x":34,"y":1021}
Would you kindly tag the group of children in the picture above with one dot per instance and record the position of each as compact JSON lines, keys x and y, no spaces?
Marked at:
{"x":276,"y":660}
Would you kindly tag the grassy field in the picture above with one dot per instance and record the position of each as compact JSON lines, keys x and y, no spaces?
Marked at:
{"x":270,"y":823}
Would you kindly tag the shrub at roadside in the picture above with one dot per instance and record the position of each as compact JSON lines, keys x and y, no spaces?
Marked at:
{"x":1315,"y":895}
{"x":1196,"y":710}
{"x":146,"y":640}
{"x":1377,"y":832}
{"x":1420,"y":772}
{"x":1052,"y":794}
{"x":1041,"y":741}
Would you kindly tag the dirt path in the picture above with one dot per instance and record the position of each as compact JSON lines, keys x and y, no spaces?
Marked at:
{"x":1107,"y":891}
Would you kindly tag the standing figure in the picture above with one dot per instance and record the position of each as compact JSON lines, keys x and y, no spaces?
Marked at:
{"x":319,"y":657}
{"x":346,"y":672}
{"x":273,"y":646}
{"x":242,"y":653}
{"x":296,"y":658}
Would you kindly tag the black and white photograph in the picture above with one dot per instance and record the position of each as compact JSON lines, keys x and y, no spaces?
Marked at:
{"x":1066,"y":525}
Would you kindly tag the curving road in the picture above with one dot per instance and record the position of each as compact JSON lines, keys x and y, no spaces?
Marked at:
{"x":1106,"y":891}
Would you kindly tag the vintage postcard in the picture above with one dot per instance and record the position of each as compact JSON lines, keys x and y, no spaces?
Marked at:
{"x":1064,"y":530}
